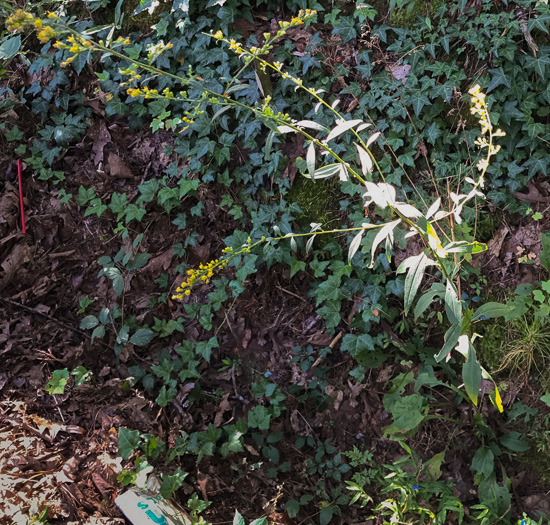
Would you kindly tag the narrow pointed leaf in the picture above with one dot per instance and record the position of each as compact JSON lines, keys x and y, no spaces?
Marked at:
{"x":414,"y":277}
{"x":491,"y":310}
{"x":342,"y":128}
{"x":386,"y":230}
{"x":354,"y":246}
{"x":433,"y":208}
{"x":453,"y":307}
{"x":326,"y":171}
{"x":471,"y":374}
{"x":451,"y":339}
{"x":364,"y":158}
{"x":310,"y":159}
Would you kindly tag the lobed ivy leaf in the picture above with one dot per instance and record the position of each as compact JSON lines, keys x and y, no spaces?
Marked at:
{"x":128,"y":441}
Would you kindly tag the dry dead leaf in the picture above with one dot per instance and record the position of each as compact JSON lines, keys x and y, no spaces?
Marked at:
{"x":118,"y":168}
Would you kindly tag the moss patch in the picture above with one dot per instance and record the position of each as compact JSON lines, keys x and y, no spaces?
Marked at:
{"x":407,"y":18}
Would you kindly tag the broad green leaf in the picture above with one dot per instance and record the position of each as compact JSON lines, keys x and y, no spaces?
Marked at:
{"x":342,"y":127}
{"x":483,"y":461}
{"x":142,"y":337}
{"x":494,"y":496}
{"x":546,"y":399}
{"x":491,"y":310}
{"x":451,"y":339}
{"x":58,"y":382}
{"x":513,"y":441}
{"x":128,"y":441}
{"x":10,"y":47}
{"x":471,"y":375}
{"x":385,"y":233}
{"x":437,"y":290}
{"x":292,"y":507}
{"x":90,"y":321}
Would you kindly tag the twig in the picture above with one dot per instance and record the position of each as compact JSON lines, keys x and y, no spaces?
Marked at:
{"x":21,"y":196}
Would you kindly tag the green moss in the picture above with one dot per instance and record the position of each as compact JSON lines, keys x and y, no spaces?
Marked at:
{"x":406,"y":16}
{"x":489,"y":346}
{"x":317,"y":199}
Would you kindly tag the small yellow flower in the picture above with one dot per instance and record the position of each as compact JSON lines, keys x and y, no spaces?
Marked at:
{"x":74,"y":48}
{"x":38,"y":23}
{"x":218,"y":35}
{"x":52,"y":15}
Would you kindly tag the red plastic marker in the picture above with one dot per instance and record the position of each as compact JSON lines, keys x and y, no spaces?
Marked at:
{"x":21,"y":196}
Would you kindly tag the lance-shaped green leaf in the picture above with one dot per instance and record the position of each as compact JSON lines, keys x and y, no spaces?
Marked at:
{"x":385,"y":233}
{"x":325,"y":172}
{"x":407,"y":210}
{"x":310,"y":159}
{"x":465,"y":247}
{"x":437,"y":290}
{"x":433,"y":208}
{"x":354,"y":246}
{"x":342,"y":127}
{"x":491,"y":310}
{"x":381,"y":194}
{"x":453,"y":307}
{"x":415,"y":267}
{"x":311,"y":125}
{"x":451,"y":339}
{"x":471,"y":374}
{"x":364,"y":157}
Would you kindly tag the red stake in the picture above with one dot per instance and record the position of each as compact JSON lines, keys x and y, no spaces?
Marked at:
{"x":21,"y":196}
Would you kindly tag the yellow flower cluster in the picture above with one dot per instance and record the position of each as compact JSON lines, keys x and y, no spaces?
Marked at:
{"x":203,"y":274}
{"x":218,"y":35}
{"x":235,"y":46}
{"x":480,"y":108}
{"x":19,"y":21}
{"x":45,"y":34}
{"x":142,"y":92}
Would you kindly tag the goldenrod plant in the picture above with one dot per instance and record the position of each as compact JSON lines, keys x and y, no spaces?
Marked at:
{"x":446,"y":257}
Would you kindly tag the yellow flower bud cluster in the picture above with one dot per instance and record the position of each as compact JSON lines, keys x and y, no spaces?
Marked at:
{"x":480,"y":109}
{"x":19,"y":21}
{"x":142,"y":92}
{"x":203,"y":274}
{"x":156,"y":50}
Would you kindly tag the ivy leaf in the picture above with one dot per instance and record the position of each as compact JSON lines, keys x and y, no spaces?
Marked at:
{"x":58,"y":382}
{"x":259,"y":418}
{"x":10,"y":47}
{"x":355,"y":344}
{"x":499,"y":78}
{"x":539,"y":22}
{"x":345,"y":28}
{"x":537,"y":164}
{"x":418,"y":102}
{"x":328,"y":290}
{"x":128,"y":441}
{"x":330,"y":312}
